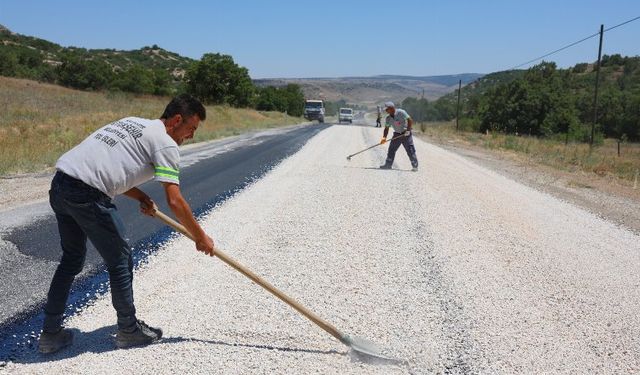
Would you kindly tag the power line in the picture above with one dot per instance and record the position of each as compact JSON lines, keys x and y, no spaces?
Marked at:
{"x":558,"y":50}
{"x":626,"y":22}
{"x":574,"y":43}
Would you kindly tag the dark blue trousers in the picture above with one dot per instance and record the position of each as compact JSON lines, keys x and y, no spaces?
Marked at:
{"x":407,"y":143}
{"x":84,"y":212}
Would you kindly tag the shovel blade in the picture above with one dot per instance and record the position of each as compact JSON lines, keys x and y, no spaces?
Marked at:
{"x":363,"y":346}
{"x":367,"y":351}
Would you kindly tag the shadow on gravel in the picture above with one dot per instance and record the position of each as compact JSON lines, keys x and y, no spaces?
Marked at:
{"x":358,"y":124}
{"x":380,"y":169}
{"x":99,"y":341}
{"x":102,"y":340}
{"x":353,"y":355}
{"x":170,"y":340}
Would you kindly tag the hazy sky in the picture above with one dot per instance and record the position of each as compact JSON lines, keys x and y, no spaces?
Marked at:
{"x":332,"y":38}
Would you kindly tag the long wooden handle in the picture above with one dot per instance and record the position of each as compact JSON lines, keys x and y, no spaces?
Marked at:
{"x":376,"y":145}
{"x":260,"y":281}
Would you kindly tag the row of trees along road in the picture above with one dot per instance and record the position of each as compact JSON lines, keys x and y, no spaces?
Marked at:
{"x":547,"y":101}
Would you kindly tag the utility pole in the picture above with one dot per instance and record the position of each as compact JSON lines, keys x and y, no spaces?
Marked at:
{"x":421,"y":106}
{"x":595,"y":96}
{"x":458,"y":106}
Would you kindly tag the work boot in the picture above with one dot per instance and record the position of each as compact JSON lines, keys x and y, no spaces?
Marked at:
{"x":385,"y":166}
{"x":52,"y":342}
{"x":140,"y":334}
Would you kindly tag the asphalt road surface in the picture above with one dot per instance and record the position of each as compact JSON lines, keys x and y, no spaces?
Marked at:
{"x":210,"y":173}
{"x":450,"y":269}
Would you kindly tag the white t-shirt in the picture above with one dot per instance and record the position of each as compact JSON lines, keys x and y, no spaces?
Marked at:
{"x":123,"y":155}
{"x":398,"y":121}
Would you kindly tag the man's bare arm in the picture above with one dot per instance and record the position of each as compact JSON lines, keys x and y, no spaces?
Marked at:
{"x":183,"y":213}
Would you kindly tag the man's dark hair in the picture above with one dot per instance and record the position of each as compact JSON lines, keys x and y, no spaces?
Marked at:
{"x":185,"y":105}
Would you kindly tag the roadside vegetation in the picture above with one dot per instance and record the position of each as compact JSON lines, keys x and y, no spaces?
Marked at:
{"x":41,"y":121}
{"x":547,"y":102}
{"x":547,"y":115}
{"x":576,"y":157}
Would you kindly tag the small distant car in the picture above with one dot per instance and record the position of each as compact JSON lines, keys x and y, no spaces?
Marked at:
{"x":346,"y":115}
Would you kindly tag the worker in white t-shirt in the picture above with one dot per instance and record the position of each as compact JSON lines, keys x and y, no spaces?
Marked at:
{"x":401,"y":122}
{"x":114,"y":160}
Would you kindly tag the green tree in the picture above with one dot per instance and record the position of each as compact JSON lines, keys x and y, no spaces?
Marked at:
{"x":136,"y":79}
{"x":8,"y":63}
{"x":610,"y":111}
{"x":270,"y":99}
{"x":294,"y":99}
{"x":539,"y":103}
{"x":217,"y":79}
{"x":443,"y":110}
{"x":416,"y":108}
{"x":609,"y":60}
{"x":162,"y":83}
{"x":580,"y":68}
{"x":80,"y":73}
{"x":629,"y":125}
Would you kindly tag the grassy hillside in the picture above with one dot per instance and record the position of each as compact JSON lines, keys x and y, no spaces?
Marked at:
{"x":153,"y":57}
{"x":622,"y":72}
{"x":41,"y":121}
{"x":483,"y":84}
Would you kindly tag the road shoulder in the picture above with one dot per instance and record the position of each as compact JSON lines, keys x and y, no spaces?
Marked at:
{"x":602,"y":196}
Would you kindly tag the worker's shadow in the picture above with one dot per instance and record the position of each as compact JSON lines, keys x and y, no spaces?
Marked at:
{"x":99,"y":341}
{"x":103,"y":340}
{"x":380,"y":169}
{"x":253,"y":346}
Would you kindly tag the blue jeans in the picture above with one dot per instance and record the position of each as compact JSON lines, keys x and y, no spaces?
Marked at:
{"x":85,"y":212}
{"x":407,"y":143}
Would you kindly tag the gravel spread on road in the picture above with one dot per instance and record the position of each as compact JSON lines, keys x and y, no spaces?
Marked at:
{"x":453,"y":268}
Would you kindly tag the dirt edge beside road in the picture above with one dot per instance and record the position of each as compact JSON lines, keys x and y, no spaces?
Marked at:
{"x":24,"y":189}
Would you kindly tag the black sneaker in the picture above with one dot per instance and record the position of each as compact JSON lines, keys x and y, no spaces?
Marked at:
{"x":157,"y":331}
{"x":52,"y":342}
{"x":141,"y":334}
{"x":385,"y":166}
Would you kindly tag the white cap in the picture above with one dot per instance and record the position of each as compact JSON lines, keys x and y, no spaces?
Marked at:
{"x":389,"y":105}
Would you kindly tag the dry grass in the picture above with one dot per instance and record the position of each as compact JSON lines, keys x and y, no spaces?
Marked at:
{"x":601,"y":160}
{"x":223,"y":121}
{"x":41,"y":121}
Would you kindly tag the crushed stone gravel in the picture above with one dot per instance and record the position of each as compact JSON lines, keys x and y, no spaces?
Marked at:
{"x":451,"y":269}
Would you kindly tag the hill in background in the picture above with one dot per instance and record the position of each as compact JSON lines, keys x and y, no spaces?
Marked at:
{"x":371,"y":91}
{"x":52,"y":54}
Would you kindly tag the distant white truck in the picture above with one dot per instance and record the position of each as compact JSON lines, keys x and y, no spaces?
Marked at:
{"x":346,"y":115}
{"x":314,"y":110}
